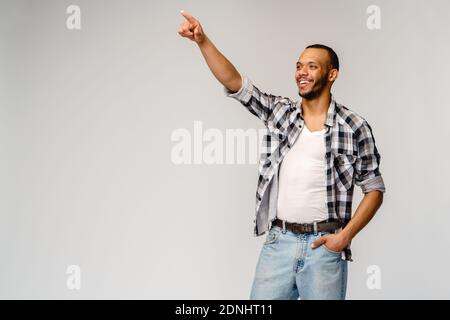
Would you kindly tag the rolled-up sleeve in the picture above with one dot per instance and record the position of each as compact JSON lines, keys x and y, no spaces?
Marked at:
{"x":259,"y":103}
{"x":245,"y":92}
{"x":368,"y":174}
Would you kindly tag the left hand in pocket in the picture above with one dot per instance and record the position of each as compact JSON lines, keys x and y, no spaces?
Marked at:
{"x":334,"y":242}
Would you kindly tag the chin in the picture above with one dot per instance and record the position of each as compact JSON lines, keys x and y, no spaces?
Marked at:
{"x":304,"y":94}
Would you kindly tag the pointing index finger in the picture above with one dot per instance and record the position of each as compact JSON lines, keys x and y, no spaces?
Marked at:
{"x":187,"y":16}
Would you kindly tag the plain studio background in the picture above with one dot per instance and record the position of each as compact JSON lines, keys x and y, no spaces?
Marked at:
{"x":86,"y":174}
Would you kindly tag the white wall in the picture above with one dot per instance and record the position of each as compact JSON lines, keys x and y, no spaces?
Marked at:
{"x":86,"y":118}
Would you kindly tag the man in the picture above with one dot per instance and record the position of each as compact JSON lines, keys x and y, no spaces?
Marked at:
{"x":316,"y":150}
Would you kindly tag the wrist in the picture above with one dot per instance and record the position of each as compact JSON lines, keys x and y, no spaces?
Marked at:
{"x":204,"y":42}
{"x":346,"y":235}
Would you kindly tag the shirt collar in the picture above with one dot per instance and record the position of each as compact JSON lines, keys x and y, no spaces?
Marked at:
{"x":330,"y":115}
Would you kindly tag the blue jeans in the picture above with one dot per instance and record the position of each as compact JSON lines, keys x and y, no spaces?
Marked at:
{"x":288,"y":268}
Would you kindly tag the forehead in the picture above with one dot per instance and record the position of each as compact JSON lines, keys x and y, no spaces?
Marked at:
{"x":314,"y":55}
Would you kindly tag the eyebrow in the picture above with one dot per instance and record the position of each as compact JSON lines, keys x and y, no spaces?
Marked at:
{"x":298,"y":62}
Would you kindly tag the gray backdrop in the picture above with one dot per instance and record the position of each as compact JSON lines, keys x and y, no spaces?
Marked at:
{"x":86,"y":174}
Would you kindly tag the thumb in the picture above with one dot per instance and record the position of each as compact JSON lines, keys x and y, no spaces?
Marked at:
{"x":319,"y":242}
{"x":198,"y":31}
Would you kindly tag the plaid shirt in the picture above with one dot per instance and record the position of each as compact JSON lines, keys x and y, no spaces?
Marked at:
{"x":351,"y":155}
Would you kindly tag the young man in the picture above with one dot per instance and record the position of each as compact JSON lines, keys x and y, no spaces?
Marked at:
{"x":316,"y":150}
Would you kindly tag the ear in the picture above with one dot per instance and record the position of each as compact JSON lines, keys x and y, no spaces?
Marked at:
{"x":333,"y":74}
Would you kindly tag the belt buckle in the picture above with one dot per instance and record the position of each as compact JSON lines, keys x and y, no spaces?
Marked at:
{"x":306,"y":227}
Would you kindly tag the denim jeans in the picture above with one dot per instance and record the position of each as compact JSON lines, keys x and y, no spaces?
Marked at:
{"x":288,"y":268}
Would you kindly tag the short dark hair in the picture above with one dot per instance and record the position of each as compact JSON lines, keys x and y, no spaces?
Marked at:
{"x":334,"y":60}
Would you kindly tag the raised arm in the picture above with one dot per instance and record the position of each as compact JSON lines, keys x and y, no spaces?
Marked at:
{"x":219,"y":65}
{"x":263,"y":105}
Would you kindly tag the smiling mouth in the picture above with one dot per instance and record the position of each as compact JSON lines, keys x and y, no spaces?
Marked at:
{"x":304,"y":83}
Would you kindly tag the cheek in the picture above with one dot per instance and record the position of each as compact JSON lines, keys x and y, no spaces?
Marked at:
{"x":317,"y":76}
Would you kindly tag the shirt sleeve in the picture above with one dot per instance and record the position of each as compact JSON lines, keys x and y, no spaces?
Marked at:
{"x":258,"y":103}
{"x":368,"y":175}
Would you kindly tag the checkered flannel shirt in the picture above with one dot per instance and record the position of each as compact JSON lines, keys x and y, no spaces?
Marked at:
{"x":351,"y":154}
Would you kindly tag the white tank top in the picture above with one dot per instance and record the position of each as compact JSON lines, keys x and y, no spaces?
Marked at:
{"x":302,"y":180}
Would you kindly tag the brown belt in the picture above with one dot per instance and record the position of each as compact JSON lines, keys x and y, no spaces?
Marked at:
{"x":327,"y":225}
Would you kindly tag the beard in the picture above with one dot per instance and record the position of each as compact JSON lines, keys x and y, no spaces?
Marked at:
{"x":316,"y":90}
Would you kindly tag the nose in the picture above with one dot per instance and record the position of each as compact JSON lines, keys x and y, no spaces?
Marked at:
{"x":301,"y":72}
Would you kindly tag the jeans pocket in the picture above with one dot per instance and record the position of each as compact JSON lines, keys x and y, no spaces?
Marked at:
{"x":324,"y":233}
{"x":273,"y":236}
{"x":331,"y":251}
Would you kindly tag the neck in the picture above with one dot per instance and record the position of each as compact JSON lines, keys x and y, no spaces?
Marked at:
{"x":317,"y":107}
